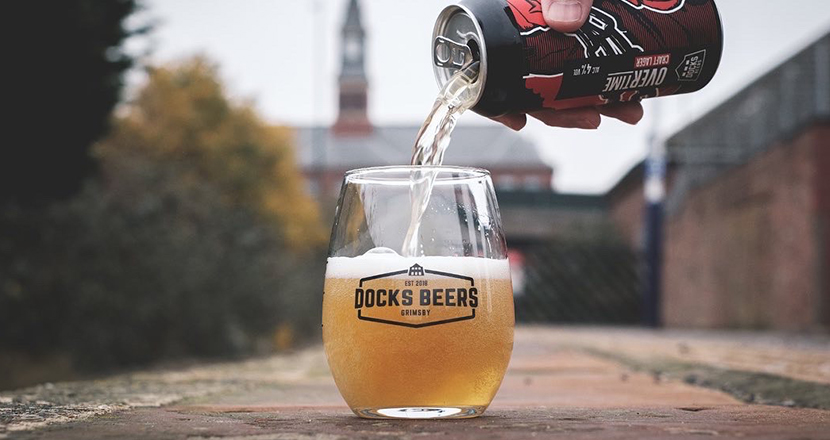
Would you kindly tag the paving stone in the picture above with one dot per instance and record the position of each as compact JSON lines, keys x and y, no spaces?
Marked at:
{"x":555,"y":388}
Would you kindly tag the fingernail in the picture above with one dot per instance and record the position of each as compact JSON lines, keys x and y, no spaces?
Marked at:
{"x":565,"y":11}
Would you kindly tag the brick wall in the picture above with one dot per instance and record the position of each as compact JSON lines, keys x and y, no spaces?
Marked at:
{"x":744,"y":250}
{"x":822,"y":222}
{"x":627,"y":205}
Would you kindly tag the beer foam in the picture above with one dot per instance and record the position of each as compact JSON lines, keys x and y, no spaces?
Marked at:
{"x":377,"y":262}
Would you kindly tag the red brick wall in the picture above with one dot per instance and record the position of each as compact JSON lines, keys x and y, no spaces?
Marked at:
{"x":522,"y":177}
{"x":744,"y":251}
{"x":627,"y":208}
{"x":626,"y":211}
{"x":822,"y":146}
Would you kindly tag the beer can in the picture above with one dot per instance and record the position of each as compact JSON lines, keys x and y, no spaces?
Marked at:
{"x":627,"y":51}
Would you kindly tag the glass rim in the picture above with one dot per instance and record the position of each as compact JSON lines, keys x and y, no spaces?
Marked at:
{"x":445,"y":173}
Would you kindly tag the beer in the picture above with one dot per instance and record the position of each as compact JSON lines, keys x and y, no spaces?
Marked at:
{"x":417,"y":337}
{"x":425,"y":335}
{"x":628,"y":50}
{"x":455,"y":98}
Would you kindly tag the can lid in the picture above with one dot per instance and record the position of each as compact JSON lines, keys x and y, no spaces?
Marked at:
{"x":457,"y":41}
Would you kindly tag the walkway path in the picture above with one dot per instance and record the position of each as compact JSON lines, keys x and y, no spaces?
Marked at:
{"x":562,"y":383}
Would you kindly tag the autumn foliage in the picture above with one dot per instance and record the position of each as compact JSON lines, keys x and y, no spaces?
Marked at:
{"x":197,"y":240}
{"x":183,"y":117}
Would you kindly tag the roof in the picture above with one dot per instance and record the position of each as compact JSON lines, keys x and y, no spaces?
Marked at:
{"x":353,"y":17}
{"x":478,"y":146}
{"x":770,"y":110}
{"x":634,"y":179}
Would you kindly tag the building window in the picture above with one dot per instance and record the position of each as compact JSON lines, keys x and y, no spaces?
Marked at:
{"x":506,"y":182}
{"x":534,"y":183}
{"x":352,"y":101}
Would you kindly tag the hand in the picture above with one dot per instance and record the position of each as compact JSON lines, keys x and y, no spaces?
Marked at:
{"x":568,"y":16}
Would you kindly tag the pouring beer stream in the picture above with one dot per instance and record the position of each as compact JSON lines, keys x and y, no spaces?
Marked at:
{"x":456,"y":97}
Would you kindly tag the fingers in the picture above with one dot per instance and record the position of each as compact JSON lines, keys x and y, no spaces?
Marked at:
{"x":514,"y":122}
{"x":628,"y":112}
{"x":566,"y":15}
{"x":587,"y":118}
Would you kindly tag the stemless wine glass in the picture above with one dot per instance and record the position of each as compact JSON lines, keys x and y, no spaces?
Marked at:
{"x":428,"y":334}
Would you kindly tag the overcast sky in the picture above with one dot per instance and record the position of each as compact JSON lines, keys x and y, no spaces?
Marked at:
{"x":284,"y":54}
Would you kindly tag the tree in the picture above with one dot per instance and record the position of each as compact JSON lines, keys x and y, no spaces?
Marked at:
{"x":183,"y":116}
{"x":197,"y":240}
{"x":62,"y":77}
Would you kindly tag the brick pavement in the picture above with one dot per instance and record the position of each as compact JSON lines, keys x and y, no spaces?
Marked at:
{"x":803,"y":357}
{"x":557,"y":387}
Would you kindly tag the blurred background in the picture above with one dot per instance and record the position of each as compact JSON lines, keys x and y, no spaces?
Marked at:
{"x":170,"y":168}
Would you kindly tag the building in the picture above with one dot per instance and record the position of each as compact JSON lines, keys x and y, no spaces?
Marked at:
{"x":326,"y":153}
{"x":626,"y":204}
{"x":747,"y":232}
{"x":567,"y":267}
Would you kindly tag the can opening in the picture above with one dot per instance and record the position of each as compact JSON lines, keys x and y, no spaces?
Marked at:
{"x":474,"y":49}
{"x":458,"y":44}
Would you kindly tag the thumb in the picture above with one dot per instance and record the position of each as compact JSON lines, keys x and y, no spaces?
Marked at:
{"x":566,"y":15}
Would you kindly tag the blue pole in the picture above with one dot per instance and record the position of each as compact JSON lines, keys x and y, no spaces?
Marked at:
{"x":655,"y":194}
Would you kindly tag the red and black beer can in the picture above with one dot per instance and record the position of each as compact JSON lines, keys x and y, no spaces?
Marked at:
{"x":628,"y":50}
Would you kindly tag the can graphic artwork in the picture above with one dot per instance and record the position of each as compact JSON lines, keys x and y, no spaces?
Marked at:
{"x":627,"y":51}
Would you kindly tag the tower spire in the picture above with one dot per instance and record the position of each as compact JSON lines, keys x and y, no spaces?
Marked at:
{"x":353,"y":115}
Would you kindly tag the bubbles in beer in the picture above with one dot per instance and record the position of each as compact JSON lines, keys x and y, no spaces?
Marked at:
{"x":380,"y":368}
{"x":433,"y":139}
{"x":372,"y":263}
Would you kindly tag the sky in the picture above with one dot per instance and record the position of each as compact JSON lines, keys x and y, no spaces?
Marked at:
{"x":285,"y":56}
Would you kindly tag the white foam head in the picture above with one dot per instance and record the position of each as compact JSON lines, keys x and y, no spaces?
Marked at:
{"x":381,"y":260}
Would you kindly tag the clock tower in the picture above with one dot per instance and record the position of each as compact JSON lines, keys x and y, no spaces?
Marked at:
{"x":353,"y":116}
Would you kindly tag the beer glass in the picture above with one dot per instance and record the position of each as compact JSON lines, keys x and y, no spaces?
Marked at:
{"x":424,"y":330}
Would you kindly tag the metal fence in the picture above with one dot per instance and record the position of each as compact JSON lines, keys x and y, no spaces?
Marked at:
{"x":577,"y":282}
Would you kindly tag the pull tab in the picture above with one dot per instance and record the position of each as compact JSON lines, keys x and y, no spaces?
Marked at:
{"x":449,"y":54}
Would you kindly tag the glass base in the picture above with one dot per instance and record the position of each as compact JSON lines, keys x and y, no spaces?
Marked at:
{"x":421,"y":412}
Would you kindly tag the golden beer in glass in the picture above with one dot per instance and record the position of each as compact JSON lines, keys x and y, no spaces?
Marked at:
{"x":426,"y":335}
